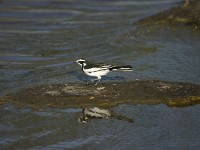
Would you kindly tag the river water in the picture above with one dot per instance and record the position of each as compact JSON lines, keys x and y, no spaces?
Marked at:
{"x":40,"y":40}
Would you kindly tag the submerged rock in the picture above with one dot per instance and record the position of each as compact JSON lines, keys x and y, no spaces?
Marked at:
{"x":106,"y":95}
{"x":182,"y":15}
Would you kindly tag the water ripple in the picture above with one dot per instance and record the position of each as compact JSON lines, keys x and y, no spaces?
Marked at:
{"x":78,"y":143}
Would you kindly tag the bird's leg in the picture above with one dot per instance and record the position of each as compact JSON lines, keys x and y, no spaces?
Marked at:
{"x":99,"y":79}
{"x":92,"y":80}
{"x":88,"y":82}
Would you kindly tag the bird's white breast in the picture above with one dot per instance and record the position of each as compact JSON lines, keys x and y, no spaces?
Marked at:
{"x":97,"y":72}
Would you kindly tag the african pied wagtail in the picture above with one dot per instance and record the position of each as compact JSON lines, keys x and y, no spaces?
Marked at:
{"x":99,"y":70}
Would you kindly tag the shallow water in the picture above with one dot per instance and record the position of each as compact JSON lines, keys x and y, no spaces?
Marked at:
{"x":40,"y":40}
{"x":154,"y":127}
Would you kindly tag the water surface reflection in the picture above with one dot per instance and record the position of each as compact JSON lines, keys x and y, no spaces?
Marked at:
{"x":154,"y":127}
{"x":101,"y":113}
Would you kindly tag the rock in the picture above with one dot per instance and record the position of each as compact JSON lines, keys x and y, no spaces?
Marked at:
{"x":112,"y":94}
{"x":188,"y":16}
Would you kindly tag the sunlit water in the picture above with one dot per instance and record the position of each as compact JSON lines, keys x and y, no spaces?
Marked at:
{"x":40,"y":40}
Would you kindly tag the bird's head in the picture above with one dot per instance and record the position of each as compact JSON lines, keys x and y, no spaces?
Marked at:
{"x":81,"y":62}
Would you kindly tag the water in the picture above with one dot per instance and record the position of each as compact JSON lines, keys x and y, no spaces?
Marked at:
{"x":40,"y":40}
{"x":155,"y":127}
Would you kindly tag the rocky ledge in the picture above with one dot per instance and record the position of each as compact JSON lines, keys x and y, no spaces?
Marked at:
{"x":181,"y":15}
{"x":105,"y":95}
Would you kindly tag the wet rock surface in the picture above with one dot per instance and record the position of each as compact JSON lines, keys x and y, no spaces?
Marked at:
{"x":181,"y":15}
{"x":105,"y":95}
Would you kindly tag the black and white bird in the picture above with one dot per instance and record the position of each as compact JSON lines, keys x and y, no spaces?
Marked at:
{"x":98,"y":69}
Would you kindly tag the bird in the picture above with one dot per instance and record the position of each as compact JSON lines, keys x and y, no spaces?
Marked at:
{"x":99,"y":69}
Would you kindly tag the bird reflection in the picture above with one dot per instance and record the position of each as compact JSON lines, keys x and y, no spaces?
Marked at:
{"x":101,"y":113}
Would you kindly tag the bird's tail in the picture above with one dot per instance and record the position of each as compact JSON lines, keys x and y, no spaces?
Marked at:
{"x":123,"y":68}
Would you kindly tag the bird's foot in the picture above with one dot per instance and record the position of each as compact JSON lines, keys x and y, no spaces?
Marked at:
{"x":90,"y":81}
